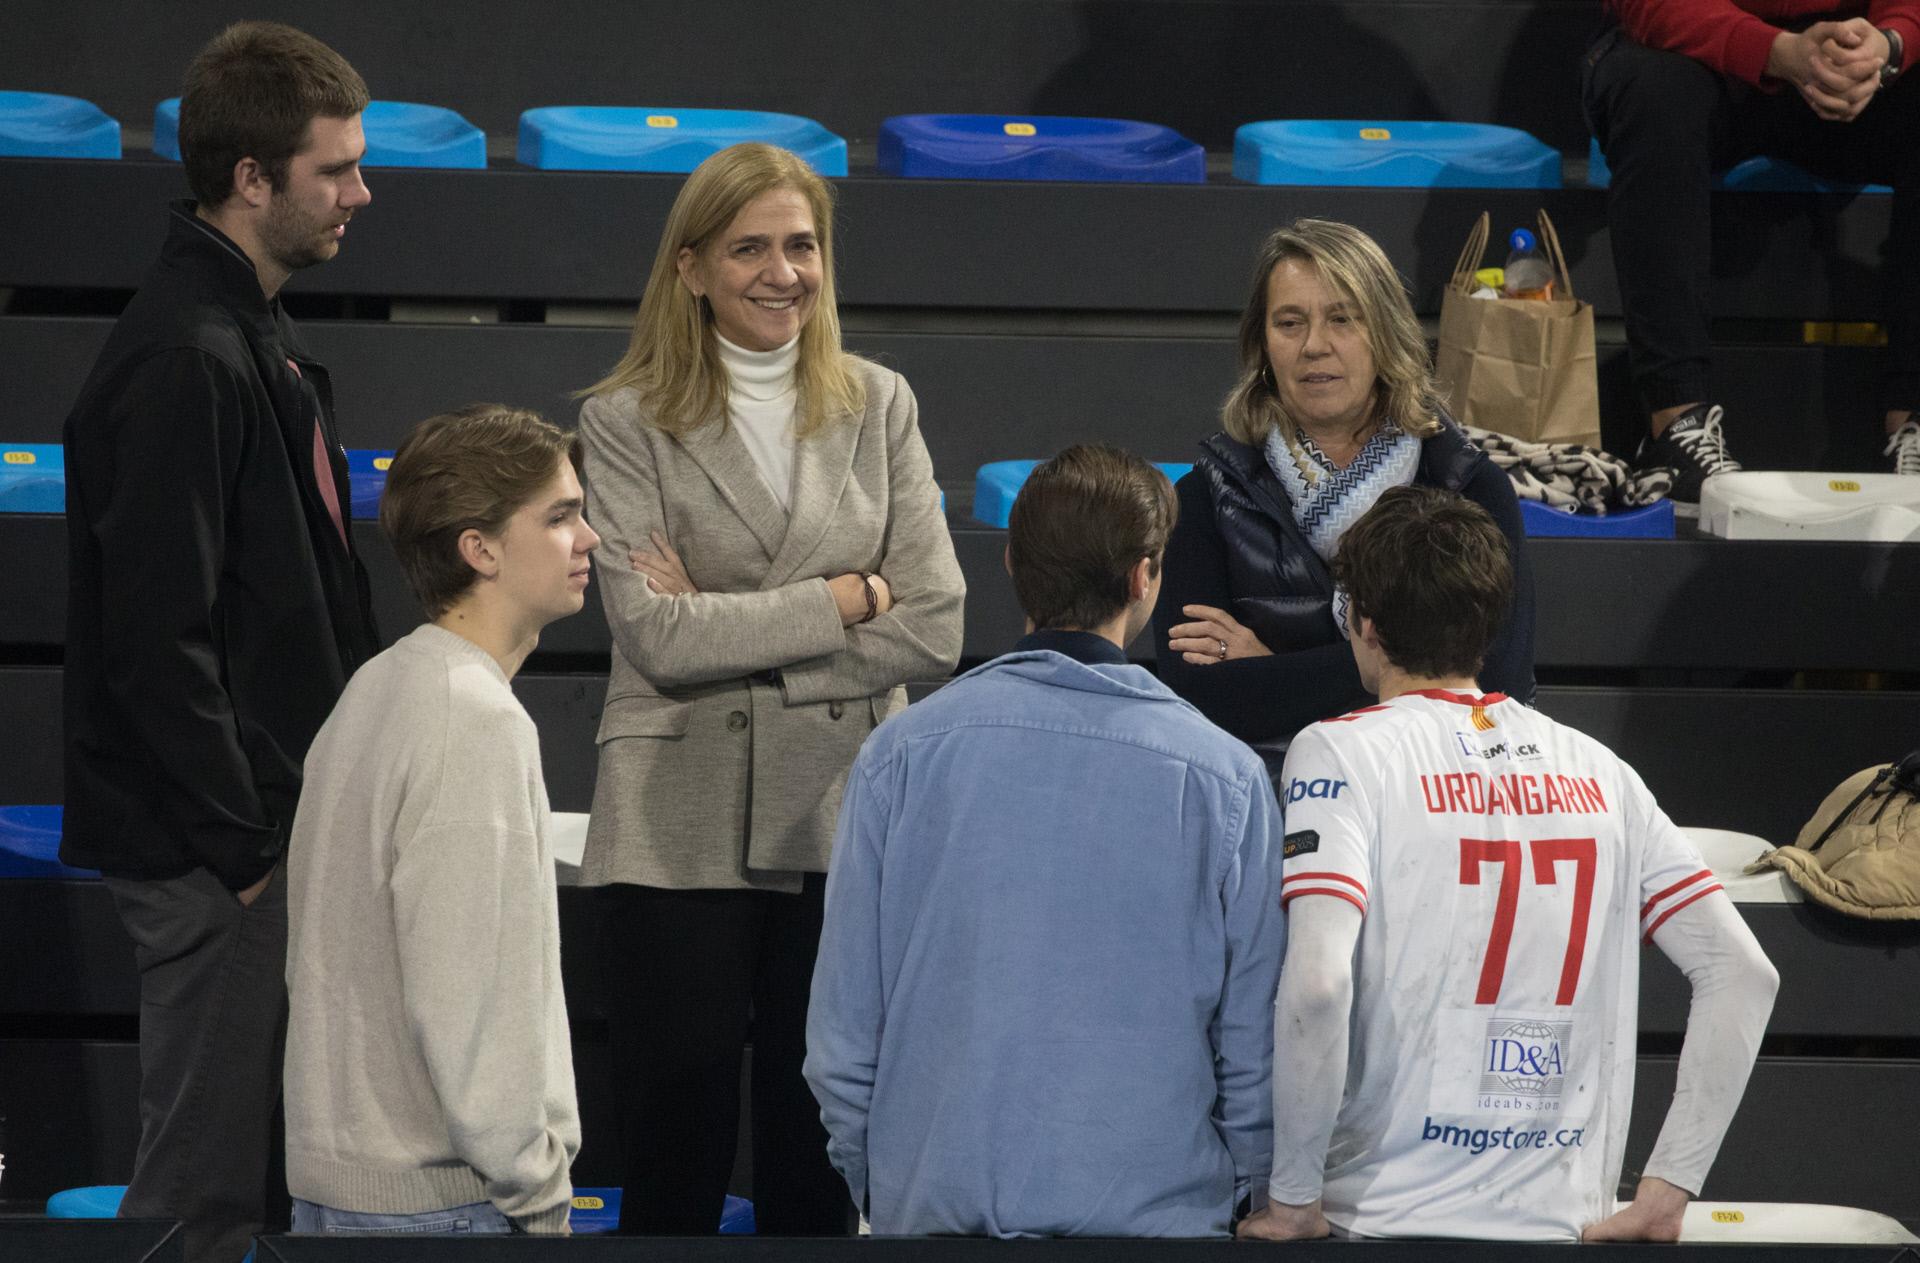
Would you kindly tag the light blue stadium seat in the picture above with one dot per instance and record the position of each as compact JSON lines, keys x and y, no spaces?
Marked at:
{"x":648,"y":138}
{"x":1037,"y":147}
{"x":1387,"y":153}
{"x":30,"y":844}
{"x":43,"y":125}
{"x":597,"y":1210}
{"x":367,"y":471}
{"x":1755,"y":175}
{"x":33,"y":478}
{"x":399,"y":134}
{"x":997,"y":483}
{"x":1654,"y":521}
{"x":97,"y":1201}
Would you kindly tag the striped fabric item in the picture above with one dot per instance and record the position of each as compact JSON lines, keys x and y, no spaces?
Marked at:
{"x":1339,"y":885}
{"x":1688,"y":890}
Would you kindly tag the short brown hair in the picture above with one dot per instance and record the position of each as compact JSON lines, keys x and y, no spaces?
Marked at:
{"x":1078,"y":527}
{"x":252,"y":93}
{"x":1434,"y":574}
{"x":466,"y":470}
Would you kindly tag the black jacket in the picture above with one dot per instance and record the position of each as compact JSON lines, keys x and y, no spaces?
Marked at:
{"x":213,"y":612}
{"x":1237,"y":547}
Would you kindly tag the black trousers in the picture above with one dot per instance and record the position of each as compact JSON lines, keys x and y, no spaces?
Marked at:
{"x":213,"y":1023}
{"x":1667,"y":123}
{"x":690,"y":977}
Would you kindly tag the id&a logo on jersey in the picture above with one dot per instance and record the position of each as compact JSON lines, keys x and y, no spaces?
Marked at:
{"x":1525,"y":1066}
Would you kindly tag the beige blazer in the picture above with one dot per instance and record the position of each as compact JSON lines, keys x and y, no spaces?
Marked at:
{"x":707,"y":778}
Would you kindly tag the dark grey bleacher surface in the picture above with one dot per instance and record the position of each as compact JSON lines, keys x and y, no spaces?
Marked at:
{"x":25,"y":1239}
{"x":990,"y":386}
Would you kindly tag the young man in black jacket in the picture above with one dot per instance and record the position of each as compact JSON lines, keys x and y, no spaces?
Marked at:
{"x":216,"y":609}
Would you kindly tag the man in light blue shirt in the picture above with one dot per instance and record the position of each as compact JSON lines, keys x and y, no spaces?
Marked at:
{"x":1043,"y":1003}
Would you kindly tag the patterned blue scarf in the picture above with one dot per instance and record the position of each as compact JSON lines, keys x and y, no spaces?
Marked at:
{"x":1327,"y":499}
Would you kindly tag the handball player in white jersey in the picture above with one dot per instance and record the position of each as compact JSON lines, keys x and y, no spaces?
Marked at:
{"x":1469,"y":886}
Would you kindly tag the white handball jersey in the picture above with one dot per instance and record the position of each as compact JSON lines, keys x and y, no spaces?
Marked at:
{"x":1507,"y":870}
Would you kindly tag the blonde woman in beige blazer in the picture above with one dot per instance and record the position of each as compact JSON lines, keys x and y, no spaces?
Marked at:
{"x":775,"y":566}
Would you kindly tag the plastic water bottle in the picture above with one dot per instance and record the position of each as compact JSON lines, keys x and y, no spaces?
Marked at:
{"x":1527,"y":274}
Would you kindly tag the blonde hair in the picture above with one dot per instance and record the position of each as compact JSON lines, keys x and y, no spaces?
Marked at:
{"x":673,"y":361}
{"x":1354,"y":265}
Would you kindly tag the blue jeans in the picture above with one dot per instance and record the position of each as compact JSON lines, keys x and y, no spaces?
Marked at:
{"x":477,"y":1218}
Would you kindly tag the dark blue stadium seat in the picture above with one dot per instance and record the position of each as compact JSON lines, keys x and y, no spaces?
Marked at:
{"x":33,"y":478}
{"x":1755,"y":175}
{"x":1037,"y":147}
{"x":43,"y":125}
{"x":1382,"y":153}
{"x":636,"y":138}
{"x":399,"y":134}
{"x":30,"y":844}
{"x":998,"y":482}
{"x":1654,"y":521}
{"x":367,"y":471}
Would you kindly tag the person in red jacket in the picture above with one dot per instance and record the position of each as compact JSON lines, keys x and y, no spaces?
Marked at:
{"x":1676,"y":90}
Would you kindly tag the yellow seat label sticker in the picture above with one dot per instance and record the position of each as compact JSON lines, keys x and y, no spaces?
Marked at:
{"x":1020,"y":129}
{"x":588,"y":1203}
{"x":21,"y":458}
{"x":662,"y":120}
{"x":383,"y":463}
{"x":1842,"y":484}
{"x":1729,"y":1217}
{"x":1375,"y":133}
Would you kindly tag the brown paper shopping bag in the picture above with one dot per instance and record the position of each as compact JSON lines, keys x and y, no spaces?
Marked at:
{"x":1522,"y":367}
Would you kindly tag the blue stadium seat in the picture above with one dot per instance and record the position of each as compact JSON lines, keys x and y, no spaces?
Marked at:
{"x":33,"y":478}
{"x":97,"y":1201}
{"x":30,"y":844}
{"x":399,"y":134}
{"x":1755,"y":175}
{"x":638,"y":138}
{"x":1384,"y":153}
{"x":1654,"y":521}
{"x":1037,"y":147}
{"x":42,"y":125}
{"x":997,"y":483}
{"x":367,"y":471}
{"x":597,"y":1210}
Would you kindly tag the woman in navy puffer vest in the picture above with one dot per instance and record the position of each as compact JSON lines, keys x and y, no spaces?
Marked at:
{"x":1335,"y":403}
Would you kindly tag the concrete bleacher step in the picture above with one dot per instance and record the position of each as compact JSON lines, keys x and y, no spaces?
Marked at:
{"x":983,"y":395}
{"x":928,"y":243}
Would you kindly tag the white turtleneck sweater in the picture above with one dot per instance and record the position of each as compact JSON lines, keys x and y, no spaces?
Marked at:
{"x":761,"y":396}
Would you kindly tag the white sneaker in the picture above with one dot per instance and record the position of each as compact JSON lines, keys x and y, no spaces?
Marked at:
{"x":1904,"y":446}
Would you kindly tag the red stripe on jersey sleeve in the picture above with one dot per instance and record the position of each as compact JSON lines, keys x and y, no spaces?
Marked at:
{"x":1689,"y":900}
{"x":1682,"y":884}
{"x":1288,"y":881}
{"x":1288,"y":896}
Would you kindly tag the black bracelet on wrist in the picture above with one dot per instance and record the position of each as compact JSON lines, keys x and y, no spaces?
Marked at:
{"x":873,"y":597}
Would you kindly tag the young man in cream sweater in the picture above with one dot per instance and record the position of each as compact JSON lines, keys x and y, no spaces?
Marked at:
{"x":429,"y":1077}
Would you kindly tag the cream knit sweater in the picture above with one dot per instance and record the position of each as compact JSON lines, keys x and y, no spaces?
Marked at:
{"x":428,"y":1062}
